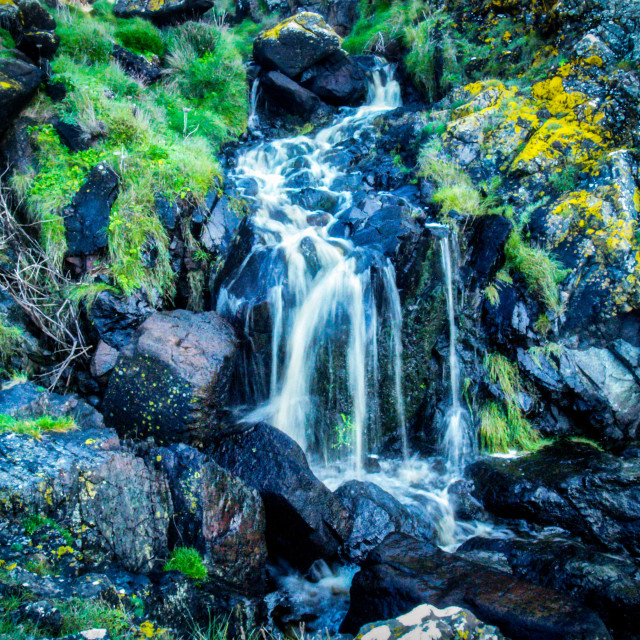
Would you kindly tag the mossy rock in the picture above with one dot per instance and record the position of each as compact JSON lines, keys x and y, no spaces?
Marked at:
{"x":296,"y":43}
{"x":162,"y":11}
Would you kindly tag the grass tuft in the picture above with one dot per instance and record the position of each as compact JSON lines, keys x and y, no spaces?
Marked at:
{"x":187,"y":561}
{"x":140,"y":36}
{"x":36,"y":427}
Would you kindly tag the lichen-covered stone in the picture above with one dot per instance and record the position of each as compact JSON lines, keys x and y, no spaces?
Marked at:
{"x":171,"y":380}
{"x":215,"y":513}
{"x":162,"y":11}
{"x":296,"y":43}
{"x":18,"y":84}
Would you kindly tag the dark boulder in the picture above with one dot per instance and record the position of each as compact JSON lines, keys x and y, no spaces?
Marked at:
{"x":73,"y":136}
{"x":284,"y":94}
{"x":342,"y":15}
{"x":162,"y":12}
{"x":606,"y":583}
{"x":570,"y":485}
{"x":215,"y":513}
{"x":32,"y":28}
{"x":18,"y":84}
{"x":115,"y":318}
{"x":295,"y":44}
{"x":304,"y":519}
{"x":86,"y":219}
{"x":84,"y":480}
{"x":375,"y":515}
{"x":486,"y":240}
{"x":43,"y":615}
{"x":339,"y":80}
{"x":171,"y":380}
{"x":403,"y":573}
{"x":136,"y":66}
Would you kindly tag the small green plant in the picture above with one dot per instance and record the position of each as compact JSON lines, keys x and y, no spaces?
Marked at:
{"x":566,"y":179}
{"x":36,"y":427}
{"x":344,"y":432}
{"x":39,"y":566}
{"x":140,"y":36}
{"x":80,"y":614}
{"x":10,"y":341}
{"x":35,"y":522}
{"x":492,"y":295}
{"x":187,"y":561}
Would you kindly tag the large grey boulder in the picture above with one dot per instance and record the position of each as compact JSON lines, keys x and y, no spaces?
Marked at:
{"x":162,"y":11}
{"x":172,"y":378}
{"x":296,"y":43}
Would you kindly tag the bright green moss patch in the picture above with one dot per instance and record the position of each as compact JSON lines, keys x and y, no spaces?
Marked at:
{"x":187,"y":561}
{"x":35,"y":522}
{"x":36,"y":427}
{"x":140,"y":36}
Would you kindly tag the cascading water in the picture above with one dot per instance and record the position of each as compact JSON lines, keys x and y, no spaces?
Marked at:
{"x":457,"y":441}
{"x":253,"y":122}
{"x":325,"y":295}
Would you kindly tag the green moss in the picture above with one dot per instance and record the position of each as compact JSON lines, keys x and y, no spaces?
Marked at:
{"x":187,"y":561}
{"x":10,"y":341}
{"x":36,"y":427}
{"x":540,"y":271}
{"x":566,"y":179}
{"x":140,"y":36}
{"x":35,"y":522}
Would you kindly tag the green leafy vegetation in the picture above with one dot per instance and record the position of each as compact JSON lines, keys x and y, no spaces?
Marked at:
{"x":187,"y":561}
{"x":36,"y":427}
{"x":540,"y":271}
{"x":566,"y":179}
{"x":504,"y":427}
{"x":344,"y":432}
{"x":35,"y":522}
{"x":140,"y":36}
{"x":10,"y":341}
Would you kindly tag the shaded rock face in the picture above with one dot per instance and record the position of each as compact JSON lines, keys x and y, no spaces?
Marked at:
{"x":304,"y":519}
{"x":136,"y":66}
{"x":117,"y":506}
{"x":607,"y":584}
{"x":590,"y":493}
{"x":376,"y":514}
{"x":339,"y":80}
{"x":86,"y":219}
{"x":403,"y":573}
{"x":289,"y":95}
{"x":162,"y":11}
{"x":215,"y":513}
{"x":18,"y":84}
{"x":219,"y":228}
{"x":28,"y":401}
{"x":171,"y":380}
{"x":429,"y":622}
{"x":295,"y":44}
{"x":32,"y":28}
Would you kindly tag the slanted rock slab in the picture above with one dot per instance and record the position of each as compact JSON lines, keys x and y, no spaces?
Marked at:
{"x":172,"y":378}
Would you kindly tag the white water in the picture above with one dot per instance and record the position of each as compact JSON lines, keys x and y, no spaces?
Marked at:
{"x":253,"y":122}
{"x":325,"y":302}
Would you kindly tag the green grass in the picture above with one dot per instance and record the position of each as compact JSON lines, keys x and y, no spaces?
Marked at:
{"x":36,"y":427}
{"x":187,"y":561}
{"x":505,"y":427}
{"x":34,"y":522}
{"x":566,"y":179}
{"x":140,"y":36}
{"x":84,"y":37}
{"x":378,"y":24}
{"x":541,"y":272}
{"x":10,"y":341}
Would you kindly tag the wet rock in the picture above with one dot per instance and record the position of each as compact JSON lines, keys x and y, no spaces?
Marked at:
{"x":215,"y":513}
{"x":403,"y":573}
{"x":487,"y":237}
{"x":605,"y":583}
{"x":115,"y":505}
{"x":218,"y":230}
{"x":18,"y":84}
{"x":375,"y":515}
{"x":172,"y":379}
{"x":570,"y":485}
{"x":342,"y":15}
{"x":295,"y":44}
{"x":115,"y":318}
{"x":162,"y":12}
{"x":339,"y":80}
{"x":428,"y":621}
{"x":43,"y":615}
{"x":86,"y":219}
{"x":283,"y":93}
{"x":136,"y":66}
{"x":304,"y":520}
{"x":26,"y":400}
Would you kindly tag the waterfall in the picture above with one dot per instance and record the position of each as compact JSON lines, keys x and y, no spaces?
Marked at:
{"x":456,"y":440}
{"x":325,"y":296}
{"x":253,"y":122}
